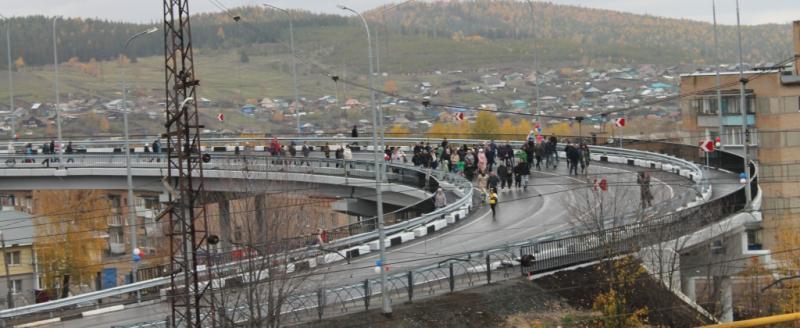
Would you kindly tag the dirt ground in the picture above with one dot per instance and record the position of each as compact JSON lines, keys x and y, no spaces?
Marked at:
{"x":560,"y":300}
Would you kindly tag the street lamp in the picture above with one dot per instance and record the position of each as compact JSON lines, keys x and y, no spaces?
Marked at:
{"x":294,"y":62}
{"x":58,"y":99}
{"x":535,"y":57}
{"x":10,"y":83}
{"x":387,"y":307}
{"x":131,"y":212}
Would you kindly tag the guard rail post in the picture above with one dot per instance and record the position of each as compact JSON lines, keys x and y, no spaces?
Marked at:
{"x":452,"y":278}
{"x":488,"y":269}
{"x":367,"y":293}
{"x":410,"y":286}
{"x":321,"y":302}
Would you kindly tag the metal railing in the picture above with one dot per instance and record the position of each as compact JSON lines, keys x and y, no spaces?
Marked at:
{"x":553,"y":251}
{"x":251,"y":165}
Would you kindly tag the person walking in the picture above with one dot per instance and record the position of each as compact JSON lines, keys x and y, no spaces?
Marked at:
{"x":339,"y":155}
{"x":69,"y":150}
{"x":482,"y":160}
{"x":492,"y":181}
{"x":644,"y":187}
{"x":585,"y":158}
{"x":522,"y":172}
{"x":573,"y":156}
{"x":348,"y":155}
{"x":481,"y":183}
{"x":306,"y":152}
{"x":504,"y":174}
{"x":493,"y":201}
{"x":440,"y":199}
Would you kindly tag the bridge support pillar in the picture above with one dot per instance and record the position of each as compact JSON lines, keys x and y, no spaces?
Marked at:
{"x":261,"y":218}
{"x":689,"y":288}
{"x":225,"y":224}
{"x":725,"y":297}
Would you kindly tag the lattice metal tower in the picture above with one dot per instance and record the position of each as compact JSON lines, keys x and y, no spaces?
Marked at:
{"x":192,"y":299}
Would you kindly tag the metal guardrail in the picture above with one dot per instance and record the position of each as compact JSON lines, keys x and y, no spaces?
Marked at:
{"x":346,"y":296}
{"x":356,"y":169}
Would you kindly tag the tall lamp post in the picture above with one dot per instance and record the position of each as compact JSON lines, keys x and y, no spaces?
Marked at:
{"x":294,"y":63}
{"x":535,"y":57}
{"x":58,"y":99}
{"x":719,"y":92}
{"x":11,"y":105}
{"x":131,"y":211}
{"x":743,"y":108}
{"x":376,"y":150}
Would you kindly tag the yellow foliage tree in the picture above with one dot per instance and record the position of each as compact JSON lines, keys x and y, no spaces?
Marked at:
{"x":398,"y":130}
{"x":105,"y":126}
{"x":561,"y":130}
{"x":19,"y":63}
{"x":70,"y":229}
{"x":507,"y":129}
{"x":522,"y":128}
{"x":486,"y":126}
{"x":613,"y":303}
{"x":787,"y":254}
{"x":390,"y":86}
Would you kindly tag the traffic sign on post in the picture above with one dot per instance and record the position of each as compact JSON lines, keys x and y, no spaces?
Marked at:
{"x":707,"y":146}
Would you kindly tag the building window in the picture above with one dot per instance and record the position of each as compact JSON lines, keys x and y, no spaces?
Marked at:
{"x":13,"y":258}
{"x":16,"y":286}
{"x":754,"y":240}
{"x":717,"y":247}
{"x":115,"y":236}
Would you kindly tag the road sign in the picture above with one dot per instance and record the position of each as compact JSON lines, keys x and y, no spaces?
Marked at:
{"x":717,"y":142}
{"x":707,"y":146}
{"x":459,"y":116}
{"x":221,"y":117}
{"x":619,"y":122}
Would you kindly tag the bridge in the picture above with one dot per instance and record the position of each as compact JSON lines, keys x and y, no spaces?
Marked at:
{"x":437,"y":251}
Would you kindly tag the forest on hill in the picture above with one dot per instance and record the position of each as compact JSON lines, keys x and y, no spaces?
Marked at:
{"x":562,"y":32}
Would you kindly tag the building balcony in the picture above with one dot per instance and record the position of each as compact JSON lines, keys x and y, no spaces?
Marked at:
{"x":115,"y":221}
{"x":712,"y":120}
{"x":116,"y":248}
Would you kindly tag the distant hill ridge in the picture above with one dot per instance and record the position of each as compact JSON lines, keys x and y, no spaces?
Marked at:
{"x":599,"y":33}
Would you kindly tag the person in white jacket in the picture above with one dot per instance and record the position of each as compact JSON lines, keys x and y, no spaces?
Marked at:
{"x":440,"y":199}
{"x":348,"y":155}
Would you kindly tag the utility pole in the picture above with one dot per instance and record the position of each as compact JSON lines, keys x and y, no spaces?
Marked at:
{"x":10,"y":293}
{"x":535,"y":59}
{"x":719,"y":92}
{"x":58,"y":99}
{"x":387,"y":305}
{"x":743,"y":109}
{"x":129,"y":176}
{"x":11,"y":105}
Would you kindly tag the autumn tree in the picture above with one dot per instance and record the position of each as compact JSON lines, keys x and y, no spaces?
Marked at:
{"x":19,"y":63}
{"x":599,"y":213}
{"x":507,"y":129}
{"x":787,"y":255}
{"x":390,"y":86}
{"x":398,"y":130}
{"x":486,"y":126}
{"x":70,"y":236}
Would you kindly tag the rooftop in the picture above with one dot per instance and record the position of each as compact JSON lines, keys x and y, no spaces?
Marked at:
{"x":730,"y":73}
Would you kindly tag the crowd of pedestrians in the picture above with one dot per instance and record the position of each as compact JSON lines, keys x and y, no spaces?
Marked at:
{"x":492,"y":167}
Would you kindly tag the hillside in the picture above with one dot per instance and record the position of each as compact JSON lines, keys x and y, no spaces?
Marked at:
{"x":475,"y":32}
{"x":676,"y":40}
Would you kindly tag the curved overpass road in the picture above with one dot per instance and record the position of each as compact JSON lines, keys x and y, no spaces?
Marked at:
{"x":521,"y":215}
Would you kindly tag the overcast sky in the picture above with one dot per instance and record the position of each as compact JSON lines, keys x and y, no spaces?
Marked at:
{"x":753,"y":11}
